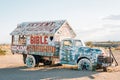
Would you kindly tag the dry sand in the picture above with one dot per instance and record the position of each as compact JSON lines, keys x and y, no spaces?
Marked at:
{"x":7,"y":61}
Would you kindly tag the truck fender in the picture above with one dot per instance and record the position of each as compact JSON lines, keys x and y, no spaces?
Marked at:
{"x":82,"y":58}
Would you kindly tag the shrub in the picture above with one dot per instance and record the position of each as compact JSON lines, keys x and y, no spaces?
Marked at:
{"x":89,"y":43}
{"x":2,"y":52}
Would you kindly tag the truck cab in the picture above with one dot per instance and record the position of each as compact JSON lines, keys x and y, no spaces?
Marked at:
{"x":69,"y":50}
{"x":74,"y":52}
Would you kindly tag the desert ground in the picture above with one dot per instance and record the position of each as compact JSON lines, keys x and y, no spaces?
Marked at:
{"x":12,"y":68}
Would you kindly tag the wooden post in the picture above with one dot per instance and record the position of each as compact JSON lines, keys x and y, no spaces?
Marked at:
{"x":111,"y":54}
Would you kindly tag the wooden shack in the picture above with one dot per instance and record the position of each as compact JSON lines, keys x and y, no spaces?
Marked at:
{"x":45,"y":33}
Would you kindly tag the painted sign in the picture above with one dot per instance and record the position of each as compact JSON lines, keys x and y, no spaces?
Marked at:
{"x":39,"y":39}
{"x":39,"y":48}
{"x":19,"y":48}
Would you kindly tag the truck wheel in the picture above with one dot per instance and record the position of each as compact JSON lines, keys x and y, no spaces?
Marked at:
{"x":84,"y":64}
{"x":37,"y":59}
{"x":31,"y":61}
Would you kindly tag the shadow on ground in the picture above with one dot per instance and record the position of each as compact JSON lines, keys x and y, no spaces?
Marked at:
{"x":24,"y":73}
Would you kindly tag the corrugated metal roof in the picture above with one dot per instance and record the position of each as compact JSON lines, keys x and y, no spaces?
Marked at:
{"x":33,"y":28}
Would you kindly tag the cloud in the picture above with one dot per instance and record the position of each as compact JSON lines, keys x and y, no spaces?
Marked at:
{"x":112,"y":17}
{"x":105,"y":33}
{"x":112,"y":27}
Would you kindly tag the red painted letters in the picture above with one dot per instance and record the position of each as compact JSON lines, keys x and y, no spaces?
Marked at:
{"x":45,"y":40}
{"x":39,"y":40}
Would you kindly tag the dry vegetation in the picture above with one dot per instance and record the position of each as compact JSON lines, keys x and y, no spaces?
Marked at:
{"x":5,"y":49}
{"x":2,"y":52}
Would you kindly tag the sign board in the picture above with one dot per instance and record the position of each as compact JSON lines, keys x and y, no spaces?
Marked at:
{"x":19,"y":48}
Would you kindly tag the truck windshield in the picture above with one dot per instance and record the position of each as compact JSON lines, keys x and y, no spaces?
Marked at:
{"x":78,"y":43}
{"x":67,"y":43}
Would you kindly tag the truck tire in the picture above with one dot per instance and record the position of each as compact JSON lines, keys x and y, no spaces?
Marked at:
{"x":84,"y":64}
{"x":37,"y":59}
{"x":31,"y":61}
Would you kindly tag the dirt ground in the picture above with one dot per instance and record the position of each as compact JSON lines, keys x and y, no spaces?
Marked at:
{"x":12,"y":68}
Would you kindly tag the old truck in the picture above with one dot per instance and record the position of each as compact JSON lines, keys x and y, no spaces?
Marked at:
{"x":51,"y":42}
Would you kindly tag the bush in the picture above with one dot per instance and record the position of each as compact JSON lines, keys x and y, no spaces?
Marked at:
{"x":2,"y":52}
{"x":89,"y":43}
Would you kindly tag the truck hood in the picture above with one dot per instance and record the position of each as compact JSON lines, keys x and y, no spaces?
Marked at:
{"x":89,"y":50}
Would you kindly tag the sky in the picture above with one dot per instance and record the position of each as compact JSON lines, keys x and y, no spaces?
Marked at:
{"x":92,"y":20}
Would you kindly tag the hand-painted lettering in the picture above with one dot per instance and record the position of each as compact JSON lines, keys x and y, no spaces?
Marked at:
{"x":39,"y":39}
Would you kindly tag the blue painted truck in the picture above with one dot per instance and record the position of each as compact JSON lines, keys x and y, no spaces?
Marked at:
{"x":74,"y":52}
{"x":49,"y":42}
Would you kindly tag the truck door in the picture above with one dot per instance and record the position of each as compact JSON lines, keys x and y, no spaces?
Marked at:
{"x":66,"y":52}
